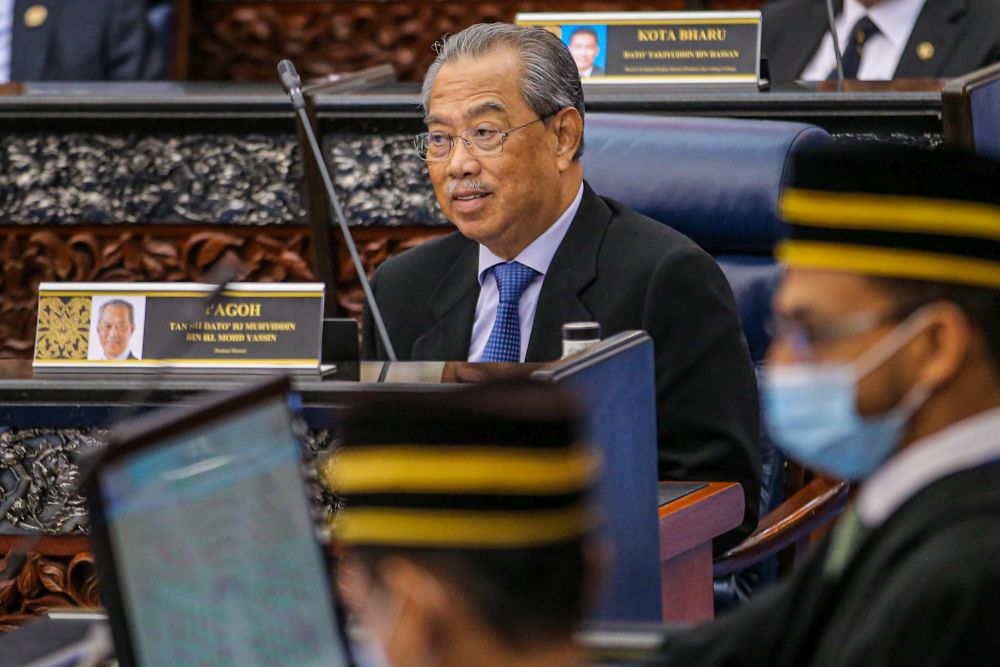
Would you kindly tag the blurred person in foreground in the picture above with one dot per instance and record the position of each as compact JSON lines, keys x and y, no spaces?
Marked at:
{"x":466,"y":525}
{"x":885,"y":371}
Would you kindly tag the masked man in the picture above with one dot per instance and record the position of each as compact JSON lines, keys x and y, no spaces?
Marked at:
{"x":885,"y":371}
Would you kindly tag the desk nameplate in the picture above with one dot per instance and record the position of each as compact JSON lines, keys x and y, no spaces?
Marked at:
{"x":141,"y":326}
{"x":659,"y":47}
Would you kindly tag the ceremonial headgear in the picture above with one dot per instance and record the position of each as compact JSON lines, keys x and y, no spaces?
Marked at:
{"x":894,"y":211}
{"x":494,"y":466}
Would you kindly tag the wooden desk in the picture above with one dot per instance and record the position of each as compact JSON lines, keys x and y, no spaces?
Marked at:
{"x":687,"y":527}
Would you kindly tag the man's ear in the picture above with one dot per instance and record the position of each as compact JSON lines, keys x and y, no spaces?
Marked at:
{"x":425,"y":610}
{"x":948,"y":345}
{"x":569,"y":133}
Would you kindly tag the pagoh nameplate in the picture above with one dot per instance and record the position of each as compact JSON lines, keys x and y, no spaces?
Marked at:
{"x":139,"y":326}
{"x":659,"y":47}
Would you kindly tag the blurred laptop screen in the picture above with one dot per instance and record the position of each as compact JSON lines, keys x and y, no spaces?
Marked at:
{"x":215,"y":550}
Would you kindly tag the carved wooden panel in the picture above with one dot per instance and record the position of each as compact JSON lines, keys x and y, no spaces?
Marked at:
{"x":243,"y":41}
{"x":30,"y":255}
{"x":44,"y":583}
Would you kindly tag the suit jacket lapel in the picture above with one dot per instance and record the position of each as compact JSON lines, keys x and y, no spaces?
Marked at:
{"x":30,"y":45}
{"x":938,"y":26}
{"x":801,"y":42}
{"x":453,"y":307}
{"x":573,"y":267}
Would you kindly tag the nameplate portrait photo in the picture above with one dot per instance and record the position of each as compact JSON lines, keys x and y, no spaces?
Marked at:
{"x":659,"y":47}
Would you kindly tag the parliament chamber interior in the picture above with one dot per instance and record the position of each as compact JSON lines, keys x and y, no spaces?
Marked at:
{"x":499,"y":332}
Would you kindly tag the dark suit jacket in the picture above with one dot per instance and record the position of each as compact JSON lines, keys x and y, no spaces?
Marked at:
{"x":625,"y":271}
{"x":921,"y":590}
{"x":91,"y":40}
{"x":965,"y":35}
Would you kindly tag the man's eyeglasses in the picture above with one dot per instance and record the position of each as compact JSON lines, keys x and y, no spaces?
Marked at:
{"x":479,"y":141}
{"x":803,"y":337}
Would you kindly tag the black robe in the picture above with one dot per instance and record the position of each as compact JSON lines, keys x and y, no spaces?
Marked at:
{"x":922,"y":589}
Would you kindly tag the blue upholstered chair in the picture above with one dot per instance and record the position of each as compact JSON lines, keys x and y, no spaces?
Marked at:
{"x":717,"y":181}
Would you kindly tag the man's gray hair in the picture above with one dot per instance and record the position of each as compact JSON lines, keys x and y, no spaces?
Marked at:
{"x":118,"y":303}
{"x":549,"y":81}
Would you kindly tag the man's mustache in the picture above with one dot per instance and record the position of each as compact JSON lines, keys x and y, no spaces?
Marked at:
{"x":467,"y":184}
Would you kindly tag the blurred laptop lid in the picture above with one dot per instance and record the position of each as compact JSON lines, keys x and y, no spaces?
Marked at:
{"x":206,"y":547}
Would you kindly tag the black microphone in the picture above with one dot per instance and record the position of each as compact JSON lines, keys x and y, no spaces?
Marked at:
{"x":292,"y":85}
{"x":836,"y":44}
{"x":291,"y":82}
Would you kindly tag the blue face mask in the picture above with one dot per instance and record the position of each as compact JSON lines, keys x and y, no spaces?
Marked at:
{"x":812,"y":414}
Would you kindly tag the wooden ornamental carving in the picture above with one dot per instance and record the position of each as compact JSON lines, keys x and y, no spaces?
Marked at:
{"x":44,"y":583}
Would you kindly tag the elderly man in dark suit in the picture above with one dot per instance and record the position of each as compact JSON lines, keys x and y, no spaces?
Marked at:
{"x":536,"y":248}
{"x":881,"y":39}
{"x":70,"y":40}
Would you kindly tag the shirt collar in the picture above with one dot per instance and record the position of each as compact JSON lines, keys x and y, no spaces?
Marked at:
{"x":967,"y":444}
{"x":895,"y":18}
{"x":538,"y":255}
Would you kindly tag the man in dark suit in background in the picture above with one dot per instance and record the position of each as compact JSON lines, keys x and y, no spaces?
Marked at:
{"x":70,"y":40}
{"x":881,"y":39}
{"x":537,"y":248}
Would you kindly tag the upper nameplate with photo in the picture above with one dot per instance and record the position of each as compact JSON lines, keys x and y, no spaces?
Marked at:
{"x":135,"y":326}
{"x":659,"y":47}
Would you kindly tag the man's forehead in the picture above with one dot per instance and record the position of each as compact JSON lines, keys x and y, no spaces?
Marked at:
{"x":115,"y":310}
{"x":827,"y":293}
{"x":475,"y":86}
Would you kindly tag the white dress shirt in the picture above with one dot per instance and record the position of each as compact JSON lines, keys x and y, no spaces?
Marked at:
{"x":538,"y":255}
{"x":6,"y":33}
{"x":895,"y":20}
{"x":969,"y":443}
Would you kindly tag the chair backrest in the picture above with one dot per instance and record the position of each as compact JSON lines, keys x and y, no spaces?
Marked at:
{"x":717,"y":180}
{"x":971,"y":111}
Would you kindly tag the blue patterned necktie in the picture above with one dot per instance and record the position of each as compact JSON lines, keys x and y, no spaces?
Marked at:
{"x":504,"y":343}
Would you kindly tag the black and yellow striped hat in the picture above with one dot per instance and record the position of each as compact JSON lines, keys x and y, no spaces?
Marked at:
{"x":494,"y":466}
{"x":894,"y":211}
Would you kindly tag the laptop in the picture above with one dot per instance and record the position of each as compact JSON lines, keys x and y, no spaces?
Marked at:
{"x":206,"y":547}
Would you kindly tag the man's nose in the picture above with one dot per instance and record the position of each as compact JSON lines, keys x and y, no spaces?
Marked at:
{"x":461,"y":162}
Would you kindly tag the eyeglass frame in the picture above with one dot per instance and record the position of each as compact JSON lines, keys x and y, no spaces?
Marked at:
{"x":803,"y":338}
{"x":469,"y":143}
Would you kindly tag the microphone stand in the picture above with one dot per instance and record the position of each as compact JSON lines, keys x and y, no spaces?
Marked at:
{"x":293,"y":86}
{"x":836,"y":45}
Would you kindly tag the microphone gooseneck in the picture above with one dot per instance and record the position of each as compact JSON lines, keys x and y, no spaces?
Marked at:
{"x":836,"y":44}
{"x":292,"y":84}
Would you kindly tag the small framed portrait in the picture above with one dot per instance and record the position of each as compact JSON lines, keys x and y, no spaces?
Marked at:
{"x":116,"y":328}
{"x":588,"y":45}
